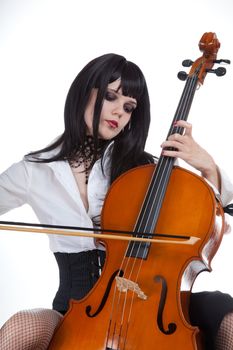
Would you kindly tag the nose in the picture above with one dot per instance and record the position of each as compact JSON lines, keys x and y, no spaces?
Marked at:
{"x":118,"y":109}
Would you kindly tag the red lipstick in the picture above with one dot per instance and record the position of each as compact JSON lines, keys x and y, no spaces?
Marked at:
{"x":112,"y":123}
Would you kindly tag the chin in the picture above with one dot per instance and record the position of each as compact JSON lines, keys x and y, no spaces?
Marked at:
{"x":108,"y":135}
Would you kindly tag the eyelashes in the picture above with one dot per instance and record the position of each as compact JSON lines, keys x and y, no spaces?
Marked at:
{"x":110,"y":96}
{"x":129,"y":108}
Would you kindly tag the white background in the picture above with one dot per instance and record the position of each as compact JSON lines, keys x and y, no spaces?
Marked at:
{"x":43,"y":45}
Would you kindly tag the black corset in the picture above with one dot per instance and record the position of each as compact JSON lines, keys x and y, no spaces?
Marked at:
{"x":78,"y":274}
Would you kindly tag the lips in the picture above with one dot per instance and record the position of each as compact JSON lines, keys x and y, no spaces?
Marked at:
{"x":112,"y":123}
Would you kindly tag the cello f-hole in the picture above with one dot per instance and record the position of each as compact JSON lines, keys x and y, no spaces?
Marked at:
{"x":171,"y":326}
{"x":105,"y":297}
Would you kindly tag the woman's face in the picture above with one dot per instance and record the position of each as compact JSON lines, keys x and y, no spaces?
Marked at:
{"x":115,"y":114}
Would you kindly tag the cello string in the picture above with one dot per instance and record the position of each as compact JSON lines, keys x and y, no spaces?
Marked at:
{"x":162,"y":172}
{"x":164,"y":162}
{"x":183,"y":114}
{"x":182,"y":110}
{"x":164,"y":169}
{"x":118,"y":314}
{"x":180,"y":114}
{"x":116,"y":302}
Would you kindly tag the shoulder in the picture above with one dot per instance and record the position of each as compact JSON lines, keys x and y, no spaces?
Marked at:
{"x":18,"y":175}
{"x":41,"y":156}
{"x":18,"y":167}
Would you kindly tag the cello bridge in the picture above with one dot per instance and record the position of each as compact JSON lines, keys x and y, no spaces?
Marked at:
{"x":124,"y":284}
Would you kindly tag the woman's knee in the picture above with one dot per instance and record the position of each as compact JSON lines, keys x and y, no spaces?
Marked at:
{"x":29,"y":329}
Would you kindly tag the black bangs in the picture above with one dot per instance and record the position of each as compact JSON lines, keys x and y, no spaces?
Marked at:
{"x":113,"y":67}
{"x":132,"y":80}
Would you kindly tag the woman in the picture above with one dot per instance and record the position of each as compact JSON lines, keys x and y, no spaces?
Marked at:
{"x":107,"y":117}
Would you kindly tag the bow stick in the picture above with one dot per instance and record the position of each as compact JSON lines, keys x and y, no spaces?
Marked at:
{"x":75,"y":231}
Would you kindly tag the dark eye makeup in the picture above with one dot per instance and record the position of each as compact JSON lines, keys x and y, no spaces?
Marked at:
{"x":111,"y":96}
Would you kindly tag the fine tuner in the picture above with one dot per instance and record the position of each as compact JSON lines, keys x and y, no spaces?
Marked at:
{"x":219,"y":71}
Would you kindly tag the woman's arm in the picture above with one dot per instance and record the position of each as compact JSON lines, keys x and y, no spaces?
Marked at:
{"x":14,"y":187}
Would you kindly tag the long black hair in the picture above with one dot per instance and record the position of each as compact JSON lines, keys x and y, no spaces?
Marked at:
{"x":128,"y":147}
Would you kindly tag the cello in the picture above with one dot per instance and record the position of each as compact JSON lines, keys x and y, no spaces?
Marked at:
{"x":141,"y":299}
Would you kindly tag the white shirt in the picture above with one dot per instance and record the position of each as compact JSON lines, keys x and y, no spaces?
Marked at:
{"x":51,"y":190}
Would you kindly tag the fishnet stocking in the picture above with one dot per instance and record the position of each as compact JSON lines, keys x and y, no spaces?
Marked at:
{"x":29,"y":330}
{"x":224,"y":339}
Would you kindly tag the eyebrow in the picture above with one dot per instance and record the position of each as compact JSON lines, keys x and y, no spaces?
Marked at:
{"x":116,"y":91}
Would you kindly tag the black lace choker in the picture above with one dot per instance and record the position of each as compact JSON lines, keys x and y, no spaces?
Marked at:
{"x":86,"y":155}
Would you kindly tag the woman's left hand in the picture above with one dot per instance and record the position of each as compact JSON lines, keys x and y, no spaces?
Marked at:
{"x":187,"y":149}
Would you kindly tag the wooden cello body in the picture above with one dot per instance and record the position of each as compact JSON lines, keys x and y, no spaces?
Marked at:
{"x":110,"y":317}
{"x":141,"y":300}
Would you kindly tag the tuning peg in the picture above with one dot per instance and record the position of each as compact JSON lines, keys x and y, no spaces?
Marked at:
{"x":219,"y":71}
{"x":223,"y":61}
{"x":182,"y":75}
{"x":187,"y":63}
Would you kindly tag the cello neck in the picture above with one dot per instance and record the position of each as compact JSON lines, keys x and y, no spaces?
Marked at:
{"x":150,"y":210}
{"x":154,"y":198}
{"x":184,"y":105}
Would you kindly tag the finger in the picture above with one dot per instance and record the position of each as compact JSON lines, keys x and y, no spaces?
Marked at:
{"x":184,"y":124}
{"x":176,"y":137}
{"x":173,"y":146}
{"x":169,"y":153}
{"x":171,"y":143}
